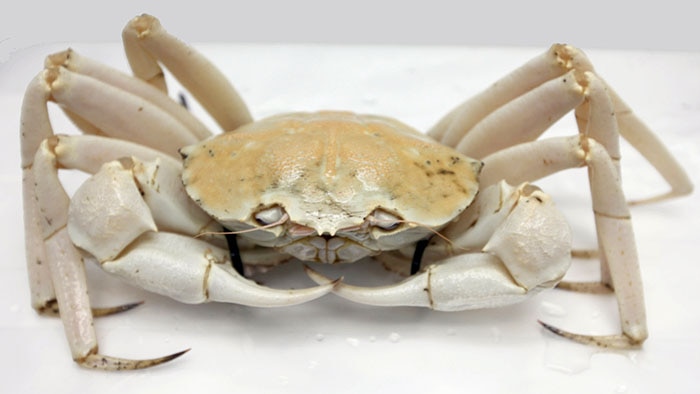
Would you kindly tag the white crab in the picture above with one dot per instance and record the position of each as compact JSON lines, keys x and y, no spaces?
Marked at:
{"x":327,"y":186}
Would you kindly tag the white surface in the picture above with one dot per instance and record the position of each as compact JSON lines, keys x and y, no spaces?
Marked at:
{"x":333,"y":346}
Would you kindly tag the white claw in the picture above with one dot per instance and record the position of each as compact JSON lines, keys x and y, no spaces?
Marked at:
{"x":229,"y":286}
{"x":193,"y":271}
{"x":469,"y":281}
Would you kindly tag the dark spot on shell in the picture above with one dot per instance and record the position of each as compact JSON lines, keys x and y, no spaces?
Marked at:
{"x":459,"y":187}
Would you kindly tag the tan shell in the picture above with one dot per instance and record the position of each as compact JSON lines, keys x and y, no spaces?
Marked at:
{"x":329,"y":170}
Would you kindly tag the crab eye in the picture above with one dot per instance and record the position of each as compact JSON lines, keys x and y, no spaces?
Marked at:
{"x":384,"y":220}
{"x":271,"y":215}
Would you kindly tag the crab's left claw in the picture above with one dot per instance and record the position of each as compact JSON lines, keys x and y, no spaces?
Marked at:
{"x":464,"y":282}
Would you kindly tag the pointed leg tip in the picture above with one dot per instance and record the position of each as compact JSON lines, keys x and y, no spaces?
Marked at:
{"x":173,"y":356}
{"x":100,"y":312}
{"x":108,"y":363}
{"x":619,"y":341}
{"x":551,"y":328}
{"x":50,"y":308}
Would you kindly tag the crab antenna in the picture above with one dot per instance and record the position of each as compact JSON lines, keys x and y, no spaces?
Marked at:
{"x":281,"y":220}
{"x":417,"y":224}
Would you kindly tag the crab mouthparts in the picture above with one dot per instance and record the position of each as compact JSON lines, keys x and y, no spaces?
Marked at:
{"x":327,"y":249}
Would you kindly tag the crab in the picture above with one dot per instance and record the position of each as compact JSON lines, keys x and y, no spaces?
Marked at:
{"x":179,"y":212}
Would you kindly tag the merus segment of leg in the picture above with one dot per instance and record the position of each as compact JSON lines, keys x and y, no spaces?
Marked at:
{"x":146,"y":43}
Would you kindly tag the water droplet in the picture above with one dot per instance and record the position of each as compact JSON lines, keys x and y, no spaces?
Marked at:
{"x":313,"y":364}
{"x":373,"y":339}
{"x":394,"y":337}
{"x":354,"y":342}
{"x":621,"y":389}
{"x":14,"y":308}
{"x":283,"y":380}
{"x":320,"y":337}
{"x":451,"y":332}
{"x":552,"y":309}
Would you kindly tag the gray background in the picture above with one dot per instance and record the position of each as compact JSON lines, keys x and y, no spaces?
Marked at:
{"x":626,"y":24}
